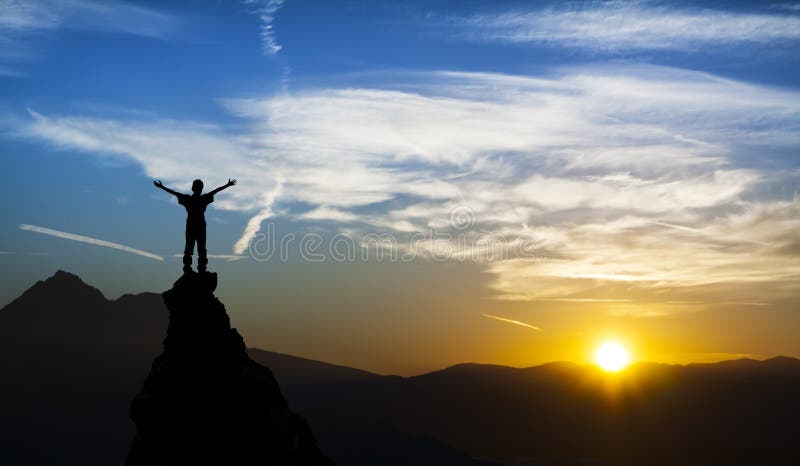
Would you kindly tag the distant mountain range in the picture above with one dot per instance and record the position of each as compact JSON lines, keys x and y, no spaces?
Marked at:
{"x":72,"y":361}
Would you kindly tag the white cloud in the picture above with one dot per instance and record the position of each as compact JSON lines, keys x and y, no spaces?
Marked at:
{"x":600,"y":164}
{"x":111,"y":16}
{"x":266,"y":10}
{"x":89,"y":240}
{"x":23,"y":15}
{"x":619,"y":26}
{"x":635,"y":194}
{"x":254,"y":224}
{"x":21,"y":21}
{"x":326,"y":213}
{"x":175,"y":151}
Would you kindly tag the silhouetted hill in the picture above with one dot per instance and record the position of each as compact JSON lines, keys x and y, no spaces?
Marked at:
{"x":781,"y":364}
{"x":293,"y":370}
{"x":71,"y":361}
{"x":726,"y":413}
{"x":44,"y":312}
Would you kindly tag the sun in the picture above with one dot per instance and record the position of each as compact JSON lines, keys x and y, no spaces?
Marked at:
{"x":611,"y":356}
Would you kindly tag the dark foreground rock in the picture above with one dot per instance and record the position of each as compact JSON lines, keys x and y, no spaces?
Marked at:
{"x":205,"y":401}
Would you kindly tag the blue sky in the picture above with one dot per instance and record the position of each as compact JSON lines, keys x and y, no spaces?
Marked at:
{"x":650,"y":148}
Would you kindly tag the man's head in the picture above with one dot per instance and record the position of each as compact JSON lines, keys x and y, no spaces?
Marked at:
{"x":197,"y":186}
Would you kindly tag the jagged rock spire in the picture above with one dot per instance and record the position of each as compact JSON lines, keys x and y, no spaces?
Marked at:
{"x":206,"y":402}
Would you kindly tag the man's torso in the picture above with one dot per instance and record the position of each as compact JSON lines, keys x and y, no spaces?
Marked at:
{"x":195,"y":207}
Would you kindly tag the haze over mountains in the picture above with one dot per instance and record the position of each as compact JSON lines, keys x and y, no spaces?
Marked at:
{"x":72,"y":360}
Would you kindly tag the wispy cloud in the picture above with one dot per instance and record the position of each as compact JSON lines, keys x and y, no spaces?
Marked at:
{"x":28,"y":15}
{"x":21,"y":253}
{"x":21,"y":22}
{"x":89,"y":240}
{"x":629,"y":25}
{"x":511,"y":321}
{"x":588,"y":300}
{"x":266,"y":10}
{"x":601,"y":164}
{"x":254,"y":224}
{"x":327,"y":213}
{"x":92,"y":15}
{"x":225,"y":257}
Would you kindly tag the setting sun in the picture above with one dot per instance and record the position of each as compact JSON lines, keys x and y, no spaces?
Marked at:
{"x":611,"y":356}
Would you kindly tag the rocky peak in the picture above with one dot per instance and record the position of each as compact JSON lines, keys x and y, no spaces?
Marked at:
{"x":205,"y":401}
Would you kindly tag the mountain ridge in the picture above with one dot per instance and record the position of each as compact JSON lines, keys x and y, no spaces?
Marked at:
{"x":62,"y":280}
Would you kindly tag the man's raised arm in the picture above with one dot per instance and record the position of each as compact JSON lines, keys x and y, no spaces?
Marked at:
{"x":230,"y":182}
{"x":159,"y":184}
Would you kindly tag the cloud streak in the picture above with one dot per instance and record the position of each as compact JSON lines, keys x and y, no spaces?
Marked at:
{"x":107,"y":16}
{"x":254,"y":224}
{"x":511,"y":321}
{"x":266,"y":10}
{"x":225,"y":257}
{"x":89,"y":240}
{"x":23,"y":23}
{"x":620,"y":26}
{"x":19,"y":253}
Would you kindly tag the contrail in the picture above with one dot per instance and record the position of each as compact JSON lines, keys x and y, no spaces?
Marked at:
{"x":225,"y":257}
{"x":678,"y":227}
{"x":510,"y":321}
{"x":18,"y":253}
{"x":701,"y":232}
{"x":588,"y":300}
{"x":86,"y":239}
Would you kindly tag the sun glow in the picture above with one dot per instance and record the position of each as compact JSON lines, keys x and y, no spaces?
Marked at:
{"x":612,"y":356}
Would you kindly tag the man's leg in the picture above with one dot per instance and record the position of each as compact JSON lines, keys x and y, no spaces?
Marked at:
{"x":188,"y":250}
{"x":202,"y":258}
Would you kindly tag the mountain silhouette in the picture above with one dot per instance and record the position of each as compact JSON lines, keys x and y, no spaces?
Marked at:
{"x":73,"y":360}
{"x":43,"y":312}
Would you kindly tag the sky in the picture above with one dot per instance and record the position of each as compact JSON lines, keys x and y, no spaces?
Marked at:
{"x":420,"y":183}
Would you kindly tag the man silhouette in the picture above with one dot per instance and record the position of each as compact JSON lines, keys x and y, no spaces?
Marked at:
{"x":195,"y":205}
